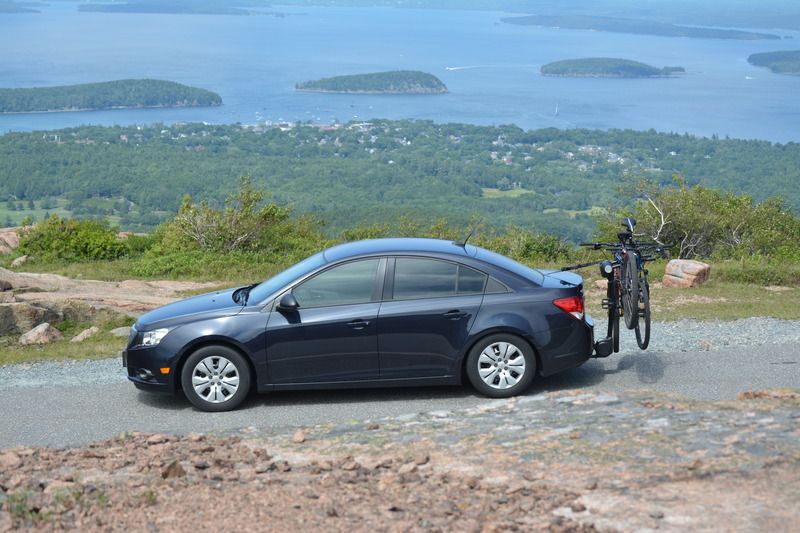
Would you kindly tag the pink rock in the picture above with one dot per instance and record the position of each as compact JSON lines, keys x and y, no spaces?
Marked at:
{"x":685,"y":273}
{"x":41,"y":334}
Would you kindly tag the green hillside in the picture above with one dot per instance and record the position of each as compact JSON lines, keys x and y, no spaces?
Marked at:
{"x":105,"y":95}
{"x":605,"y":67}
{"x":379,"y":171}
{"x":391,"y":82}
{"x":786,"y":62}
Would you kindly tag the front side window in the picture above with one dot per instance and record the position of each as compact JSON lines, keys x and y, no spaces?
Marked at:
{"x":350,"y":283}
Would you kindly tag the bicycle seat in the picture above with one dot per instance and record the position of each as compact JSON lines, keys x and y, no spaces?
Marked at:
{"x":629,"y":223}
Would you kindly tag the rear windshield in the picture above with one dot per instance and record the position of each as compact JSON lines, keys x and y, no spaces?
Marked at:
{"x":263,"y":290}
{"x":512,"y":266}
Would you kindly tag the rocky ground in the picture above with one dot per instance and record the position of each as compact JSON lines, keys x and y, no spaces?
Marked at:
{"x":574,"y":461}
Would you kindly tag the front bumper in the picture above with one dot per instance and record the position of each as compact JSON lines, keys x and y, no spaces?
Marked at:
{"x":144,"y":366}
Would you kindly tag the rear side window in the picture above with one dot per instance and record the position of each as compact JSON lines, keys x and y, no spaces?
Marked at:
{"x":430,"y":278}
{"x":350,"y":283}
{"x":495,"y":287}
{"x":424,"y":278}
{"x":470,"y":281}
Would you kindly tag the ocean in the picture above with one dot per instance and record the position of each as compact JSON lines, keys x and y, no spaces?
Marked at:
{"x":491,"y":69}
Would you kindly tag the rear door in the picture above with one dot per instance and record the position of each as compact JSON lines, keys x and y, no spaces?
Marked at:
{"x":429,"y":307}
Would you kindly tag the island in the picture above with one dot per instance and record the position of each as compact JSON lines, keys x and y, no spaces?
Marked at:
{"x":391,"y":82}
{"x":783,"y":62}
{"x":169,"y":7}
{"x":13,"y":7}
{"x":635,"y":26}
{"x":606,"y":67}
{"x":120,"y":94}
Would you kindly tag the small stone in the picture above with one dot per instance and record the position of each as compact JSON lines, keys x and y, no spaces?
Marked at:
{"x":299,"y":437}
{"x":350,"y":465}
{"x":658,"y":515}
{"x":421,"y":459}
{"x":174,"y":469}
{"x":9,"y":460}
{"x":19,"y":261}
{"x":577,"y":507}
{"x":695,"y":465}
{"x":156,"y":439}
{"x":407,"y":468}
{"x":373,"y":426}
{"x":58,"y":485}
{"x":202,"y":465}
{"x":591,"y":485}
{"x":42,"y":334}
{"x":121,"y":332}
{"x":85,"y":334}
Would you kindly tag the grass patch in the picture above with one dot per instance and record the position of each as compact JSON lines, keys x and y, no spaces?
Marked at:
{"x":490,"y":192}
{"x":572,"y":213}
{"x":101,"y":346}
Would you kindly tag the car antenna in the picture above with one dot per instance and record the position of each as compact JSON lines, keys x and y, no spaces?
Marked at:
{"x":463,"y":244}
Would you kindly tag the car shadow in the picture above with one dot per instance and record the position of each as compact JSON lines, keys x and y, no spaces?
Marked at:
{"x":649,"y":369}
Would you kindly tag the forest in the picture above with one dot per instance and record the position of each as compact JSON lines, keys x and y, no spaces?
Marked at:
{"x":636,"y":26}
{"x":606,"y":67}
{"x":783,"y":62}
{"x":105,"y":95}
{"x":391,"y":82}
{"x":348,"y":174}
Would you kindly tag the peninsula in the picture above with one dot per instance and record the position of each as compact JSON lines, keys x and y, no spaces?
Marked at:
{"x":606,"y":67}
{"x":784,"y":62}
{"x":391,"y":82}
{"x":636,"y":26}
{"x":120,"y":94}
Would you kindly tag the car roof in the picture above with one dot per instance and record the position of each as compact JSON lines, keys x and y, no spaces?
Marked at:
{"x":398,"y":245}
{"x":406,"y":245}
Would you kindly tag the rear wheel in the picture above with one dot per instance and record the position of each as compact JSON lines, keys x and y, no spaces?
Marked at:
{"x":643,"y":325}
{"x":215,"y":378}
{"x":630,"y":290}
{"x":501,"y":365}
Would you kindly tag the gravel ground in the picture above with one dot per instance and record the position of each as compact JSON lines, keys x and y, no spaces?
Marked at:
{"x":667,"y":337}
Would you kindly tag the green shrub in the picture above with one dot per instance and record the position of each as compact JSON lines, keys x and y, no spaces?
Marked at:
{"x":72,"y":240}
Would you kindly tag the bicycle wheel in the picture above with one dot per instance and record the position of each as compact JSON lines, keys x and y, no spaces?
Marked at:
{"x":643,"y":337}
{"x":613,"y":313}
{"x":630,"y":290}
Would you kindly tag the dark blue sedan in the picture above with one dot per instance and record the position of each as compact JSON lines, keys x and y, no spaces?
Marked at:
{"x":375,"y":313}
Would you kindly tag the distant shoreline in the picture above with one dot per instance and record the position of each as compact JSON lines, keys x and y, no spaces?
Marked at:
{"x":112,"y":108}
{"x":410,"y":92}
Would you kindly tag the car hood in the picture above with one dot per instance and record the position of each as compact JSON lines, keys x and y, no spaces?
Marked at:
{"x":217,"y":303}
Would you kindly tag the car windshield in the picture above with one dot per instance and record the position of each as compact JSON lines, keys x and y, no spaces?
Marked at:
{"x":261,"y":291}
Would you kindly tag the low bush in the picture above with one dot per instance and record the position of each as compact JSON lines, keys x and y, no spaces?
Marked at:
{"x":72,"y":240}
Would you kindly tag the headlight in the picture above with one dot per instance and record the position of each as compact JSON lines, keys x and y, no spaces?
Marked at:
{"x":152,"y":338}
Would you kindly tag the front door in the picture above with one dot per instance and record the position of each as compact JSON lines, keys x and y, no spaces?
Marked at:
{"x":332,"y":336}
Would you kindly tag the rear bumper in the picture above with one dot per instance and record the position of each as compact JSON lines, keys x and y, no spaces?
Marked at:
{"x":569,"y":347}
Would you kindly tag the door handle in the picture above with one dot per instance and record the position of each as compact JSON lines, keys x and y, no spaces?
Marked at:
{"x":358,"y":323}
{"x":455,"y":314}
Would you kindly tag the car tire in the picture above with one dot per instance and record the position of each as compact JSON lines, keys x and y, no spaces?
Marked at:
{"x":215,"y":378}
{"x":501,"y":365}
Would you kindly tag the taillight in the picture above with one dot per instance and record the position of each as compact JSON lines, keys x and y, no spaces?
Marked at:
{"x":572,"y":305}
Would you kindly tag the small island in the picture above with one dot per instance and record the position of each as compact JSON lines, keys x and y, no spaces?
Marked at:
{"x":166,"y":7}
{"x":120,"y":94}
{"x":784,"y":62}
{"x":391,"y":82}
{"x":635,"y":26}
{"x":606,"y":67}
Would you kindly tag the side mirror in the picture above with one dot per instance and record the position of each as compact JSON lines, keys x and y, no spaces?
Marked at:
{"x":288,"y":303}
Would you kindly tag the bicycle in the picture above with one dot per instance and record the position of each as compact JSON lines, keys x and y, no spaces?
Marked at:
{"x":628,"y":291}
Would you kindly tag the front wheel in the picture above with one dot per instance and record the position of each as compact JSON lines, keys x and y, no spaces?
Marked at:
{"x":501,"y":365}
{"x":643,"y":330}
{"x":215,"y":378}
